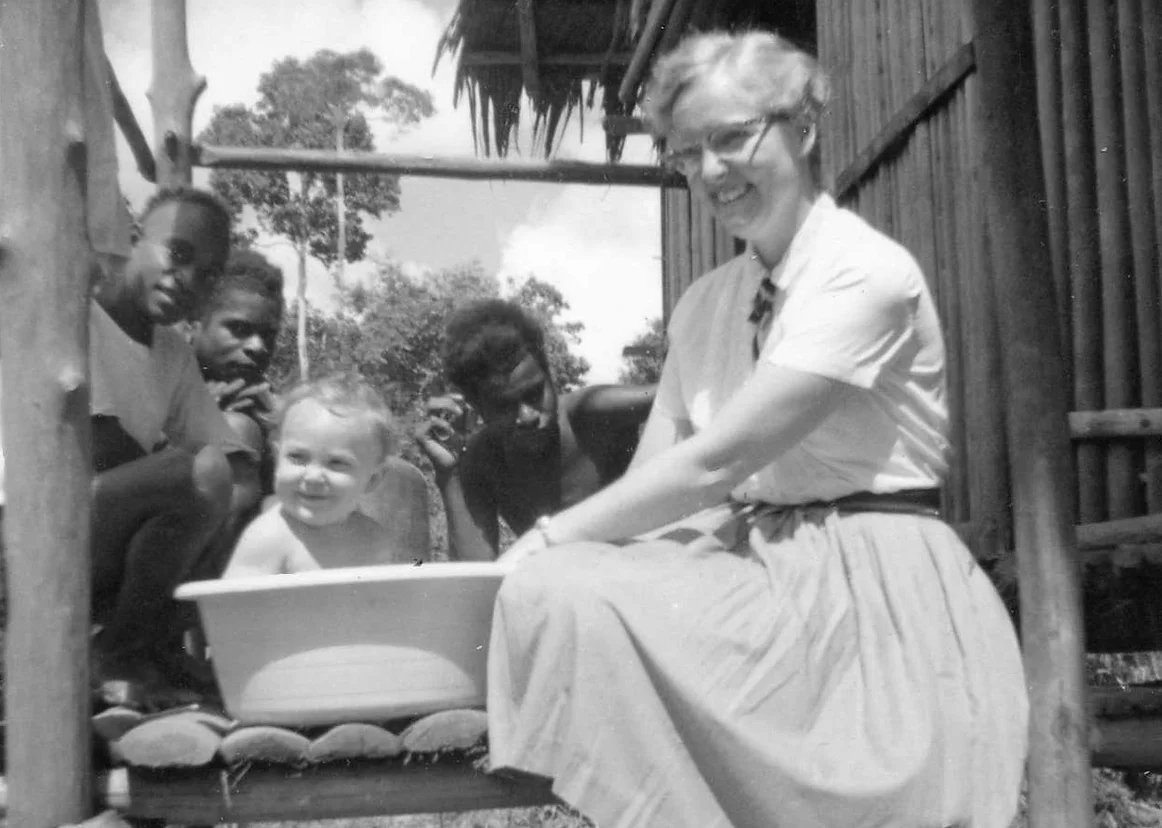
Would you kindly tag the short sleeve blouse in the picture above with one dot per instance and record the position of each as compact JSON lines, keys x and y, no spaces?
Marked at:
{"x":852,"y":305}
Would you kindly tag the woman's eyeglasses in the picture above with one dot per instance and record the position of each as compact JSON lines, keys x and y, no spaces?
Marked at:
{"x":728,"y":142}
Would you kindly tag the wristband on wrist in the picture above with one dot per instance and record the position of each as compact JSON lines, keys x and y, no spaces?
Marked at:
{"x":543,"y":526}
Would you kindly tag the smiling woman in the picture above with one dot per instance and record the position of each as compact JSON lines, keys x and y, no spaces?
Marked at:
{"x":765,"y":622}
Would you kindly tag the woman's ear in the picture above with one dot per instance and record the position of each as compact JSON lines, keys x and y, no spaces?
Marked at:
{"x":808,"y":134}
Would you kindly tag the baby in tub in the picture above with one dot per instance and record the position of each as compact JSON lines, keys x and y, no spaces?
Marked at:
{"x":331,"y":442}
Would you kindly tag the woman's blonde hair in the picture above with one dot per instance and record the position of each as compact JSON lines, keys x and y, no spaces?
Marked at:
{"x":778,"y":75}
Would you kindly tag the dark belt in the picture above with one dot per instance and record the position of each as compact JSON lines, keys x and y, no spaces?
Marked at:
{"x":905,"y":502}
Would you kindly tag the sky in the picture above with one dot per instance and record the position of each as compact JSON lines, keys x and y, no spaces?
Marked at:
{"x":599,"y":245}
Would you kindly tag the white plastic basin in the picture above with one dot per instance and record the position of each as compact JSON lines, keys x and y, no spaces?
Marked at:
{"x":344,"y":645}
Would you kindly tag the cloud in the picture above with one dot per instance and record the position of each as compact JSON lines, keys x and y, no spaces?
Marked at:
{"x":601,"y":248}
{"x":598,"y":245}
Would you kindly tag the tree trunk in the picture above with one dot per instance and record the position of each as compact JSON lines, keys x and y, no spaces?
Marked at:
{"x":173,"y":91}
{"x":304,"y":358}
{"x":45,"y":261}
{"x":340,"y":211}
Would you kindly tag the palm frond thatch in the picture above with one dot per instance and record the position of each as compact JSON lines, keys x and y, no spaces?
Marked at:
{"x":495,"y":92}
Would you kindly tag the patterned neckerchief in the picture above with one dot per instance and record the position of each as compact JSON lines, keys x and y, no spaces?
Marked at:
{"x":762,"y":313}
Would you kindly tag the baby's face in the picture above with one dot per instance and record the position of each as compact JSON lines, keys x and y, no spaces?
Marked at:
{"x":326,"y":462}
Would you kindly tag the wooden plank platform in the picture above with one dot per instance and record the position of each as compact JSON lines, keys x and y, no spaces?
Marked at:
{"x":207,"y":796}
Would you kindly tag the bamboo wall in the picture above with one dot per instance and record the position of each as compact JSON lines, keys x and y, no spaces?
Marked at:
{"x":693,"y":243}
{"x":1100,"y":115}
{"x":924,"y":194}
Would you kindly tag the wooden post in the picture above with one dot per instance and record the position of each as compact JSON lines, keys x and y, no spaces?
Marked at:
{"x":44,"y":280}
{"x":1013,"y":190}
{"x":173,"y":91}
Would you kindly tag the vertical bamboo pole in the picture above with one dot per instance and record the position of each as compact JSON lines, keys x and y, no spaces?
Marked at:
{"x":44,"y":338}
{"x":1118,"y":345}
{"x":1143,"y":247}
{"x":986,"y":453}
{"x":1059,"y":781}
{"x":173,"y":91}
{"x":1048,"y":50}
{"x":1152,"y":54}
{"x":957,"y":506}
{"x":1084,"y":258}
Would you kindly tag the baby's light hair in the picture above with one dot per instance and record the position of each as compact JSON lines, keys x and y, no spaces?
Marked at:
{"x":345,"y":395}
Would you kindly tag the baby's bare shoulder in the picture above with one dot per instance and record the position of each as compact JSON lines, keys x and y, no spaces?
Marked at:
{"x":263,"y":546}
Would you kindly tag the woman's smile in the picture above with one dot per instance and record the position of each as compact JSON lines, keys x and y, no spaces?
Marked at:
{"x":727,"y":196}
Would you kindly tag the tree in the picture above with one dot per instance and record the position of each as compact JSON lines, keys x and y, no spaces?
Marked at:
{"x":547,"y":304}
{"x":319,"y":103}
{"x":390,"y":331}
{"x":644,"y":355}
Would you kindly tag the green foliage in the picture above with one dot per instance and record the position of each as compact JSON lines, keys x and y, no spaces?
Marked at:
{"x":306,"y":105}
{"x":643,"y":365}
{"x":391,"y":331}
{"x":320,"y":103}
{"x":546,"y":304}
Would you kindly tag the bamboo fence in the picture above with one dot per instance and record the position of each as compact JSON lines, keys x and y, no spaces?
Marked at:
{"x":1099,"y":94}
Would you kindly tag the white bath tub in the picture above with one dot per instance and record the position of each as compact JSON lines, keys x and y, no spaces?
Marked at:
{"x":341,"y":645}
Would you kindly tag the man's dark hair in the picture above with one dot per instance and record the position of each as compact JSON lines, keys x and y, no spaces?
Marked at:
{"x":487,"y":337}
{"x":219,"y":213}
{"x":246,"y":270}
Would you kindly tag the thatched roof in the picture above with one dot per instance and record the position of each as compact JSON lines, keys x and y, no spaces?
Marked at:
{"x":560,"y":53}
{"x":591,"y":36}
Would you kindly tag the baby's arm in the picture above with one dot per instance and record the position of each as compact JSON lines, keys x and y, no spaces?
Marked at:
{"x":262,"y":548}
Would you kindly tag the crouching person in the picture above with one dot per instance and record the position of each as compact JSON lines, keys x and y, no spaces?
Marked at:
{"x":164,"y":457}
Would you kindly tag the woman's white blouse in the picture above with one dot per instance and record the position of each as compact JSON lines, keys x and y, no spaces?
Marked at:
{"x":851,"y":305}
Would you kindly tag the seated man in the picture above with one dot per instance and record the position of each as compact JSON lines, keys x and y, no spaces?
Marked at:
{"x":163,"y":456}
{"x":536,"y":453}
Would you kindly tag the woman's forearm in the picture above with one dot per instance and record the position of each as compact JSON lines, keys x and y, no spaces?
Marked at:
{"x":668,"y":486}
{"x":773,"y":412}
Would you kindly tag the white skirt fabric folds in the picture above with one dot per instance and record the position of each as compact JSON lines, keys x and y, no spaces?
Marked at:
{"x":800,"y":668}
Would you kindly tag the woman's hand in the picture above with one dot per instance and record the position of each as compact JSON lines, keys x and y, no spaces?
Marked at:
{"x":530,"y":543}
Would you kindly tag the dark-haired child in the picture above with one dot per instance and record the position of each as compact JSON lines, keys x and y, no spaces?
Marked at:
{"x":233,"y":331}
{"x":164,"y":456}
{"x":537,"y":452}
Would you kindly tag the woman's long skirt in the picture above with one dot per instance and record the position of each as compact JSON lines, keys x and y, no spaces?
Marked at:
{"x":801,"y":668}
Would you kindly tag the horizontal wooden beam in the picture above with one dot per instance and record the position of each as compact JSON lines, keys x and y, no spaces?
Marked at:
{"x":209,"y":796}
{"x":127,"y":122}
{"x":334,"y":161}
{"x":585,"y":61}
{"x":900,"y":125}
{"x":1122,"y":532}
{"x":1126,"y":729}
{"x":1115,"y":423}
{"x":1128,"y":744}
